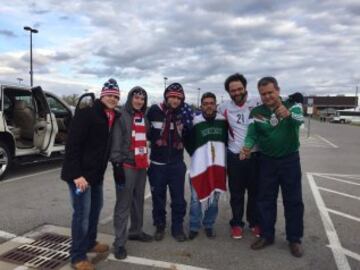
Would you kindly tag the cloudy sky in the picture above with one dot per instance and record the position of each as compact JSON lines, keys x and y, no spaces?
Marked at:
{"x":310,"y":46}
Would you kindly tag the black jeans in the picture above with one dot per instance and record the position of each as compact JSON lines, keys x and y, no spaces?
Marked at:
{"x":160,"y":177}
{"x":242,"y":176}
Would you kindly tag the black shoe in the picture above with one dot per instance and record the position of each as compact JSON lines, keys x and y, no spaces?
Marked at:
{"x":261,"y":243}
{"x":210,"y":233}
{"x":159,"y":233}
{"x":120,"y":253}
{"x":193,"y":234}
{"x":296,"y":250}
{"x":180,"y":237}
{"x":142,"y":237}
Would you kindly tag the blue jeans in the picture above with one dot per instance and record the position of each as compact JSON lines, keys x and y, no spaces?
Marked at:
{"x":196,"y":215}
{"x":87,"y":206}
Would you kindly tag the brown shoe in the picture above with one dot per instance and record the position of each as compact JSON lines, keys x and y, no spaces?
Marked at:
{"x":261,"y":243}
{"x":296,"y":249}
{"x":99,"y":248}
{"x":83,"y":265}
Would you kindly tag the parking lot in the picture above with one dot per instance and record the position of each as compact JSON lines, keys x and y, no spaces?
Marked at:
{"x":33,"y":199}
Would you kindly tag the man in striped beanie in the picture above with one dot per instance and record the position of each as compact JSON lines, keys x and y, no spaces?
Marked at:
{"x":167,"y":167}
{"x":206,"y":146}
{"x":86,"y":159}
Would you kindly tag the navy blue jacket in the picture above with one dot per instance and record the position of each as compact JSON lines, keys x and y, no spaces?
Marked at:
{"x":162,"y":154}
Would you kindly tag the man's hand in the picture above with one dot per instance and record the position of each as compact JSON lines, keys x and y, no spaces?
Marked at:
{"x":282,"y":112}
{"x":245,"y":153}
{"x":81,"y":183}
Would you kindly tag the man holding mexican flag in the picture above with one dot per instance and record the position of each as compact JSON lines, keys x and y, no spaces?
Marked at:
{"x":206,"y":146}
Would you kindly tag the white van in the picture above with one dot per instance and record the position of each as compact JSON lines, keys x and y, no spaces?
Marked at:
{"x":346,"y":116}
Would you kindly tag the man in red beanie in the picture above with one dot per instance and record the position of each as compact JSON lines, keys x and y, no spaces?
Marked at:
{"x":86,"y":157}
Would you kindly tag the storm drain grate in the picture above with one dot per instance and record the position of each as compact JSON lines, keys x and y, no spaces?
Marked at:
{"x":48,"y":252}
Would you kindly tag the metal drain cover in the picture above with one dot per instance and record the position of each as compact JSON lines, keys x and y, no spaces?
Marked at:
{"x":49,"y":251}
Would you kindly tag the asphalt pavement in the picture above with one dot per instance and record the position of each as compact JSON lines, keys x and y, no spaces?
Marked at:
{"x":34,"y":196}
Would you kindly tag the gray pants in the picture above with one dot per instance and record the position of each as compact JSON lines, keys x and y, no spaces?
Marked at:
{"x":129,"y":201}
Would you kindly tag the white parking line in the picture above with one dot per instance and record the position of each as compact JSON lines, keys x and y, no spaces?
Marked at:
{"x":336,"y":248}
{"x":343,"y":214}
{"x":339,"y":174}
{"x":13,"y":238}
{"x":156,"y":263}
{"x":6,"y":235}
{"x":327,"y":141}
{"x":11,"y":180}
{"x":351,"y":254}
{"x":337,"y":179}
{"x":339,"y":193}
{"x":352,"y":177}
{"x":22,"y":267}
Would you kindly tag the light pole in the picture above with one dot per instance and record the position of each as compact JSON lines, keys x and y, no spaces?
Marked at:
{"x":198,"y":99}
{"x":19,"y":80}
{"x":31,"y":30}
{"x":165,"y":79}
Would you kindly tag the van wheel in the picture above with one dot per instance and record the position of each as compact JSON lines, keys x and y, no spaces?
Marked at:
{"x":342,"y":121}
{"x":5,"y":159}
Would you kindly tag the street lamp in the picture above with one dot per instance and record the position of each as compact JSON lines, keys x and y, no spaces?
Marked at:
{"x":165,"y":79}
{"x":19,"y":80}
{"x":198,"y":99}
{"x":31,"y":30}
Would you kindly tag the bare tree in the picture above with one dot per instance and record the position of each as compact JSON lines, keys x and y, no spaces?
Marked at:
{"x":71,"y":99}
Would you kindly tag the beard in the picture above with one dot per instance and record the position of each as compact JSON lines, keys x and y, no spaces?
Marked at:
{"x":239,"y":98}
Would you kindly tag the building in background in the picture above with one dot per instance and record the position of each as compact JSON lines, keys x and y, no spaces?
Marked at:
{"x":325,"y":107}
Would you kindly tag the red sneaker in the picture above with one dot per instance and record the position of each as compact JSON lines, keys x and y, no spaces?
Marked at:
{"x":236,"y":232}
{"x":256,"y":231}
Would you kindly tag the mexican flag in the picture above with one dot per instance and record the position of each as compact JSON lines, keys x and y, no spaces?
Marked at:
{"x":206,"y":146}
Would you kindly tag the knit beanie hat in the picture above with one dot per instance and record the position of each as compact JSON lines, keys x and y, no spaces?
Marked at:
{"x":174,"y":90}
{"x":110,"y":88}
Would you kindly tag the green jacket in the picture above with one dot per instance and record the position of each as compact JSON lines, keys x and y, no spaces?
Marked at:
{"x":275,"y":137}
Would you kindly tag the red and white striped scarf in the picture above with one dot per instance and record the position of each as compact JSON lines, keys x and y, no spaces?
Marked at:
{"x":138,"y":141}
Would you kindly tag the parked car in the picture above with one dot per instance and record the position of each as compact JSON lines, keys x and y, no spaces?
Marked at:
{"x":33,"y":125}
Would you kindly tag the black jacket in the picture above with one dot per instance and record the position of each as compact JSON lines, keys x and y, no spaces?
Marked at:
{"x":162,"y":154}
{"x":88,"y":145}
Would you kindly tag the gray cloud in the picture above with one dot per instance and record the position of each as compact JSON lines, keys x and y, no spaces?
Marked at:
{"x":8,"y":33}
{"x":309,"y":45}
